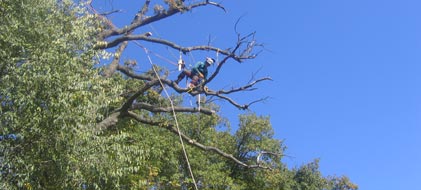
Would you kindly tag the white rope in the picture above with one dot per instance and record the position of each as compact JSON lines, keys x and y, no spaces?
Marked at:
{"x":160,"y":37}
{"x":198,"y":102}
{"x":174,"y":115}
{"x":192,"y":59}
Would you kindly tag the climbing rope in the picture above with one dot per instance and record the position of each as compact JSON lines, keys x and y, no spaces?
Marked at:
{"x":163,"y":58}
{"x":174,"y":115}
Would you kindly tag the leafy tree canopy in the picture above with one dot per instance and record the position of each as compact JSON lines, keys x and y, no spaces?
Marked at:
{"x":67,"y":123}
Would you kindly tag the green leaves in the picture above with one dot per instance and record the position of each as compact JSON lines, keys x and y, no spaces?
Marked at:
{"x":50,"y":95}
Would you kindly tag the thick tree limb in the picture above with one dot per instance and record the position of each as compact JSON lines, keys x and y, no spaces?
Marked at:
{"x":114,"y":64}
{"x":121,"y":39}
{"x":126,"y":70}
{"x":196,"y":91}
{"x":172,"y":129}
{"x":156,"y":109}
{"x":130,"y":101}
{"x":129,"y":104}
{"x":243,"y":50}
{"x":139,"y":20}
{"x":170,"y":83}
{"x":147,"y":20}
{"x":146,"y":37}
{"x":108,"y":122}
{"x":112,"y":119}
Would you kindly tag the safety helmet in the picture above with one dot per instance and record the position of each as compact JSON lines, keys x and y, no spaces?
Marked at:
{"x":209,"y":60}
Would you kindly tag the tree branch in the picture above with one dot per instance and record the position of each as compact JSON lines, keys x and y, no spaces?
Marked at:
{"x":171,"y":128}
{"x":157,"y":109}
{"x":130,"y":101}
{"x":243,"y":50}
{"x":126,"y":70}
{"x":243,"y":88}
{"x":114,"y":64}
{"x":110,"y":12}
{"x":146,"y":37}
{"x":201,"y":89}
{"x":117,"y":41}
{"x":217,"y":5}
{"x":147,"y":20}
{"x":231,"y":101}
{"x":262,"y":153}
{"x":108,"y":122}
{"x":141,"y":20}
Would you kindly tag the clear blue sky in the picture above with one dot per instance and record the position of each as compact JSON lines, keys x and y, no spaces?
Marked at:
{"x":346,"y":76}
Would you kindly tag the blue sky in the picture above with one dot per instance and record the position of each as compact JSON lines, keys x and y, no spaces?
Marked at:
{"x":346,"y":76}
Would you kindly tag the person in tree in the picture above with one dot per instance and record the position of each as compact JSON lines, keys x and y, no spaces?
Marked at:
{"x":198,"y":73}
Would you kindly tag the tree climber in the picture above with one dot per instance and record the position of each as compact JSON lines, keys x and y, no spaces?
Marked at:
{"x":198,"y":73}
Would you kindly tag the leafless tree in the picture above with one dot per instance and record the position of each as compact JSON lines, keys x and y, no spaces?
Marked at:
{"x":118,"y":38}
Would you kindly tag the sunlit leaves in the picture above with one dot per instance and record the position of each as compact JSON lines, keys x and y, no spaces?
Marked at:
{"x":50,"y":95}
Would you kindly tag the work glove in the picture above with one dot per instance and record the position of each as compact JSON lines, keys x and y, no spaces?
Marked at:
{"x":201,"y":75}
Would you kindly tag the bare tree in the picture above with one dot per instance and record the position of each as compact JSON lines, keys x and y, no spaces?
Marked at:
{"x":113,"y":37}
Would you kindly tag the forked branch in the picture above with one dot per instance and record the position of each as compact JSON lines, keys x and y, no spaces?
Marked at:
{"x":120,"y":37}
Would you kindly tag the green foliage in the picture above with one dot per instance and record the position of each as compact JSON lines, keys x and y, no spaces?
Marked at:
{"x":309,"y":177}
{"x":52,"y":96}
{"x":255,"y":134}
{"x":341,"y":183}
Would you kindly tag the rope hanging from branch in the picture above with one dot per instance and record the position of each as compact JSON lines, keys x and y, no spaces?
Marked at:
{"x":174,"y":115}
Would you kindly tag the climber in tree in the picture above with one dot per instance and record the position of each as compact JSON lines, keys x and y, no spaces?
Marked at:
{"x":198,"y":73}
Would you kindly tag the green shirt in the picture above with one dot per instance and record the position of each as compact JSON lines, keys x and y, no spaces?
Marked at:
{"x":200,"y":67}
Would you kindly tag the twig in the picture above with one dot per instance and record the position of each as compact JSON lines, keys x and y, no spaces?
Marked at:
{"x":111,"y":12}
